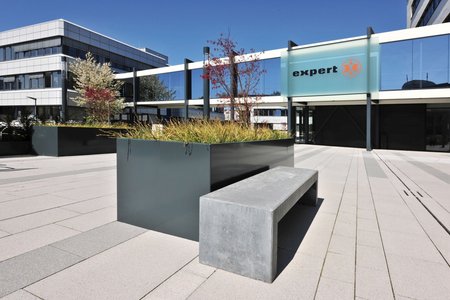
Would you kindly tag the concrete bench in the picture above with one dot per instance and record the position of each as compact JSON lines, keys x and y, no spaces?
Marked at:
{"x":239,"y":223}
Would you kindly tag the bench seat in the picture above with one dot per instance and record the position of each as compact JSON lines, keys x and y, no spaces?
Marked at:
{"x":239,"y":223}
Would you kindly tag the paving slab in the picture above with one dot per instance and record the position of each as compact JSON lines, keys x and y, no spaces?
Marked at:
{"x":20,"y":243}
{"x":94,"y":241}
{"x":127,"y":271}
{"x":20,"y":295}
{"x":34,"y":220}
{"x":419,"y":279}
{"x":91,"y":220}
{"x":373,"y":284}
{"x":30,"y":267}
{"x":92,"y":205}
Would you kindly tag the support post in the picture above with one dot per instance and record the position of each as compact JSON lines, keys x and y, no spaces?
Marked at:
{"x":291,"y":109}
{"x":206,"y":105}
{"x":63,"y":114}
{"x":369,"y":96}
{"x":187,"y":87}
{"x":234,"y":85}
{"x":306,"y":123}
{"x":133,"y":116}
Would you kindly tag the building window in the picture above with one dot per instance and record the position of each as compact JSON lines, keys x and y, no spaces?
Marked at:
{"x":428,"y":12}
{"x":415,"y":64}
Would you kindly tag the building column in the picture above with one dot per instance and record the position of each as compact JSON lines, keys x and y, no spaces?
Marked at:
{"x":291,"y":109}
{"x":187,"y":87}
{"x":206,"y":104}
{"x":369,"y":96}
{"x":133,"y":116}
{"x":63,"y":114}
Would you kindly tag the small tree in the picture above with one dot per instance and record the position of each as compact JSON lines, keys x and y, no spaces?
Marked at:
{"x":97,"y":89}
{"x":236,"y":74}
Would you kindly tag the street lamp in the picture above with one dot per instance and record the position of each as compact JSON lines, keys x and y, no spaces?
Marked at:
{"x":35,"y":106}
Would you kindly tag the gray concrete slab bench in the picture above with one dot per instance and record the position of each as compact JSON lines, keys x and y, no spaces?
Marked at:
{"x":239,"y":223}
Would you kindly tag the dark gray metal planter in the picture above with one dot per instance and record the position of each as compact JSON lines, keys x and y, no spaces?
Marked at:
{"x":159,"y":183}
{"x":64,"y":141}
{"x":15,"y":147}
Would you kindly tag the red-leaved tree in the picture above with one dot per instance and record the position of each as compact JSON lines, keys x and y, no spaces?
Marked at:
{"x":235,"y":75}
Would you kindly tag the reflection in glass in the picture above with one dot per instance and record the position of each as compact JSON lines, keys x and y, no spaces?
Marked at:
{"x":151,"y":88}
{"x":415,"y":64}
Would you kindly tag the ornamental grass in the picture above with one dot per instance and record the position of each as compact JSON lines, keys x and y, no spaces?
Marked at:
{"x":100,"y":125}
{"x":206,"y":132}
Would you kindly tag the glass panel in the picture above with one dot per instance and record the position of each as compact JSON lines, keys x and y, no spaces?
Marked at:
{"x":162,"y":87}
{"x":270,"y":83}
{"x":395,"y":65}
{"x":430,"y":62}
{"x":8,"y":53}
{"x":2,"y":54}
{"x":197,"y":84}
{"x":415,"y":64}
{"x":56,"y":79}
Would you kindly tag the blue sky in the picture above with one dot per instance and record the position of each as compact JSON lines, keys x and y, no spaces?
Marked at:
{"x":180,"y":28}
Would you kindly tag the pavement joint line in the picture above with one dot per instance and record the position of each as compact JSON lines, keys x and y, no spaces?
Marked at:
{"x":170,"y":276}
{"x":426,"y":168}
{"x":356,"y":223}
{"x":419,"y":186}
{"x":206,"y":279}
{"x":379,"y":232}
{"x":415,"y":215}
{"x":417,"y":198}
{"x":334,"y":225}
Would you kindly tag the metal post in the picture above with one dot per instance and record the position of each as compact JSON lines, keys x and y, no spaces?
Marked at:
{"x":306,"y":121}
{"x":369,"y":96}
{"x":291,"y":109}
{"x":187,"y":87}
{"x":63,"y":89}
{"x":35,"y":106}
{"x":234,"y":85}
{"x":206,"y":105}
{"x":133,"y":116}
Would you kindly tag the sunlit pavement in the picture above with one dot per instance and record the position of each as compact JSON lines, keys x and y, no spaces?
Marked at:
{"x":381,"y":232}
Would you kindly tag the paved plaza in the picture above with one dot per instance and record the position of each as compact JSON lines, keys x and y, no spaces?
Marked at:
{"x":381,"y":232}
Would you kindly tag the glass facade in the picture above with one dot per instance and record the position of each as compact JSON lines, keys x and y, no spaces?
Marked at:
{"x":268,"y":85}
{"x":415,"y":64}
{"x":119,"y":63}
{"x":31,"y":81}
{"x":162,"y":87}
{"x":428,"y":12}
{"x":31,"y":49}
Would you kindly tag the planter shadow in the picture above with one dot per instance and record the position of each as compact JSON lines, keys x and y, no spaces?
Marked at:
{"x":159,"y":183}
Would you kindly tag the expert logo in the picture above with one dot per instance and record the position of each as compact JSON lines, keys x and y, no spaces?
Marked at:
{"x":350,"y":68}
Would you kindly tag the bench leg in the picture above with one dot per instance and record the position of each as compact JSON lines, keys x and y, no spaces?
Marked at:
{"x":310,"y":198}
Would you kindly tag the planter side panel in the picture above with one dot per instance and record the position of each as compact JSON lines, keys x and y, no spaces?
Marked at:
{"x":233,"y":162}
{"x":44,"y":140}
{"x":14,"y":147}
{"x":81,"y":141}
{"x":159,"y":185}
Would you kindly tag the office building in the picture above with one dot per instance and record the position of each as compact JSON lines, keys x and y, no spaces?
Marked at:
{"x":386,"y":90}
{"x":34,"y":66}
{"x":427,"y":12}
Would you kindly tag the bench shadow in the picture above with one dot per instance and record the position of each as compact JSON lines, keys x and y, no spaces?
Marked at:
{"x":292,"y":229}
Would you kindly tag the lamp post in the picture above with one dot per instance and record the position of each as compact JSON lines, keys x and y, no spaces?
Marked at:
{"x":35,"y":106}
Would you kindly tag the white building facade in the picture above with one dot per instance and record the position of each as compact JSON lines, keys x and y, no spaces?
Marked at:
{"x":34,"y":66}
